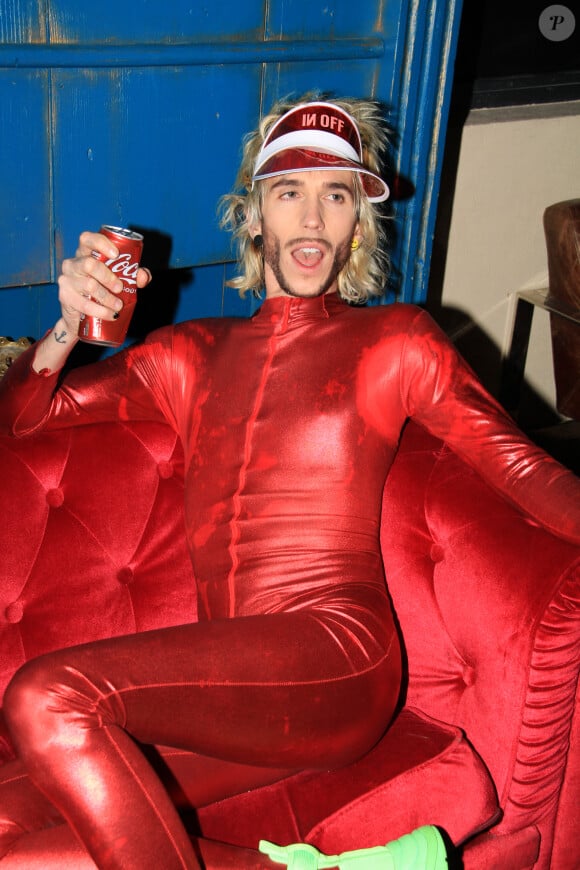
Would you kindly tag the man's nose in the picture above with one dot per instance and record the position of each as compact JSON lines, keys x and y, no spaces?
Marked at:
{"x":312,"y":217}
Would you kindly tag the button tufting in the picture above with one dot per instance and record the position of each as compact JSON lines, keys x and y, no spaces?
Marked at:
{"x":437,"y":553}
{"x":165,"y":470}
{"x":468,"y":675}
{"x":125,"y":575}
{"x":14,"y":612}
{"x":55,"y":497}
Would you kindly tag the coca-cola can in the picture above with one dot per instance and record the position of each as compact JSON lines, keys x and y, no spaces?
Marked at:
{"x":95,"y":330}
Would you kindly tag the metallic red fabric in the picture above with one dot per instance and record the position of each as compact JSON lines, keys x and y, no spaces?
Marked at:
{"x":290,"y":422}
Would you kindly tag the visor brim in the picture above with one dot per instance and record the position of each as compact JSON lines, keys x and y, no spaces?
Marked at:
{"x":301,"y":160}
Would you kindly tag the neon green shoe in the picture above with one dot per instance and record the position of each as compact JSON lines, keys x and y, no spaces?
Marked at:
{"x":423,"y":849}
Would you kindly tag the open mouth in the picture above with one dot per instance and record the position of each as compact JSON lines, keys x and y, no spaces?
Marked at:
{"x":308,"y":255}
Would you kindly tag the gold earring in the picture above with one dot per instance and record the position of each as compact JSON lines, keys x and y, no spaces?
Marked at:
{"x":355,"y":245}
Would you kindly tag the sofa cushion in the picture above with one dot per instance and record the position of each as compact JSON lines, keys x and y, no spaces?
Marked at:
{"x":419,"y":773}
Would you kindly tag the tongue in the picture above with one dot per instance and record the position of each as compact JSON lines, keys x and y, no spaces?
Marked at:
{"x":307,"y":257}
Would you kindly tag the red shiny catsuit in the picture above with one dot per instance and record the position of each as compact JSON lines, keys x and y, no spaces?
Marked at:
{"x":290,"y":421}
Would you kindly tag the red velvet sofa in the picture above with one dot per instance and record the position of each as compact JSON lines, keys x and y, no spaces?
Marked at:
{"x":487,"y":742}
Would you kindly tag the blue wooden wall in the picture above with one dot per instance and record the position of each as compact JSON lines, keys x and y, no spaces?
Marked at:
{"x":133,"y":114}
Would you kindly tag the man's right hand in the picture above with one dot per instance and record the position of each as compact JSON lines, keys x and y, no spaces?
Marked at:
{"x":85,"y":286}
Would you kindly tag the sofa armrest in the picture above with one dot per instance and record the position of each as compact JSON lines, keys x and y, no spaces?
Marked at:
{"x":566,"y":849}
{"x":542,"y":756}
{"x":488,"y":605}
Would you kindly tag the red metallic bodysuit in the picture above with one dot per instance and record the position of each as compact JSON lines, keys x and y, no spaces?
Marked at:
{"x":289,"y":421}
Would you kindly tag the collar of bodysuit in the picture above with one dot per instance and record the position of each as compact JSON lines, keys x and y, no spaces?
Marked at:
{"x":294,"y":310}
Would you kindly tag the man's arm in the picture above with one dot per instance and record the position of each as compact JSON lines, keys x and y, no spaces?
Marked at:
{"x":53,"y":350}
{"x":86,"y":286}
{"x":441,"y":392}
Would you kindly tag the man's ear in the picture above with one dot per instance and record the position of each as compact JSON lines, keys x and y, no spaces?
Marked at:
{"x":255,"y":229}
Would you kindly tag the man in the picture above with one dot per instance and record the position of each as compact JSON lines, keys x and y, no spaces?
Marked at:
{"x":290,"y":422}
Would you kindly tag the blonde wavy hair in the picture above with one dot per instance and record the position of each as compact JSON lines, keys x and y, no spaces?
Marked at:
{"x":366,"y":272}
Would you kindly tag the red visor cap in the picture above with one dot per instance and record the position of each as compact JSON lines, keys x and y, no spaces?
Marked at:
{"x":317,"y":136}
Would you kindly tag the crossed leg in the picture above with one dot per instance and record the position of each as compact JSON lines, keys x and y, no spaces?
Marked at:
{"x":270,"y":693}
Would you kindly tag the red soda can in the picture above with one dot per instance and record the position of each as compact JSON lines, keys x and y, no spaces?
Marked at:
{"x":95,"y":330}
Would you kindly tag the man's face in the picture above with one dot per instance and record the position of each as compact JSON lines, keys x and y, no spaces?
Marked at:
{"x":308,"y":224}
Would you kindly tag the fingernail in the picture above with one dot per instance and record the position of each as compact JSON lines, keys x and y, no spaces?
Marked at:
{"x":116,"y":315}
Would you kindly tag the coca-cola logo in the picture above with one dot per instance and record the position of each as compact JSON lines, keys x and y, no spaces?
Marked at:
{"x":127,"y":270}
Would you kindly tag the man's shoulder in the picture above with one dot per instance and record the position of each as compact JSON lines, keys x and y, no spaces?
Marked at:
{"x":399,"y":310}
{"x":392,"y":316}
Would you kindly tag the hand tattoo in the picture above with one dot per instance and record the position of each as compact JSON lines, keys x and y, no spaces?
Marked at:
{"x":60,"y":336}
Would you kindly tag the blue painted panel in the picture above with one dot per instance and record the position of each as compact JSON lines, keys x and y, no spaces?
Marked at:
{"x":18,"y":312}
{"x":25,"y":205}
{"x":22,"y":21}
{"x":420,"y":104}
{"x":353,"y":78}
{"x":173,"y":21}
{"x":151,"y":147}
{"x":319,"y":18}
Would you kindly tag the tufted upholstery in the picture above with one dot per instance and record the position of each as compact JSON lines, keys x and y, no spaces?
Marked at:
{"x":75,"y":567}
{"x":489,"y":736}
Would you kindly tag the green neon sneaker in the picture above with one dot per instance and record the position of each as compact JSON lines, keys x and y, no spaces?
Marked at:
{"x":423,"y":849}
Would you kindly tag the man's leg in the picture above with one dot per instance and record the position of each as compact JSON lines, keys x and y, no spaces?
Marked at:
{"x":34,"y":836}
{"x":271,"y":691}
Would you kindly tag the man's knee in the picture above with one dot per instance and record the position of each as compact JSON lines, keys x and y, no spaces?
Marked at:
{"x":28,"y":702}
{"x":24,"y":693}
{"x":56,"y":699}
{"x":48,"y":703}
